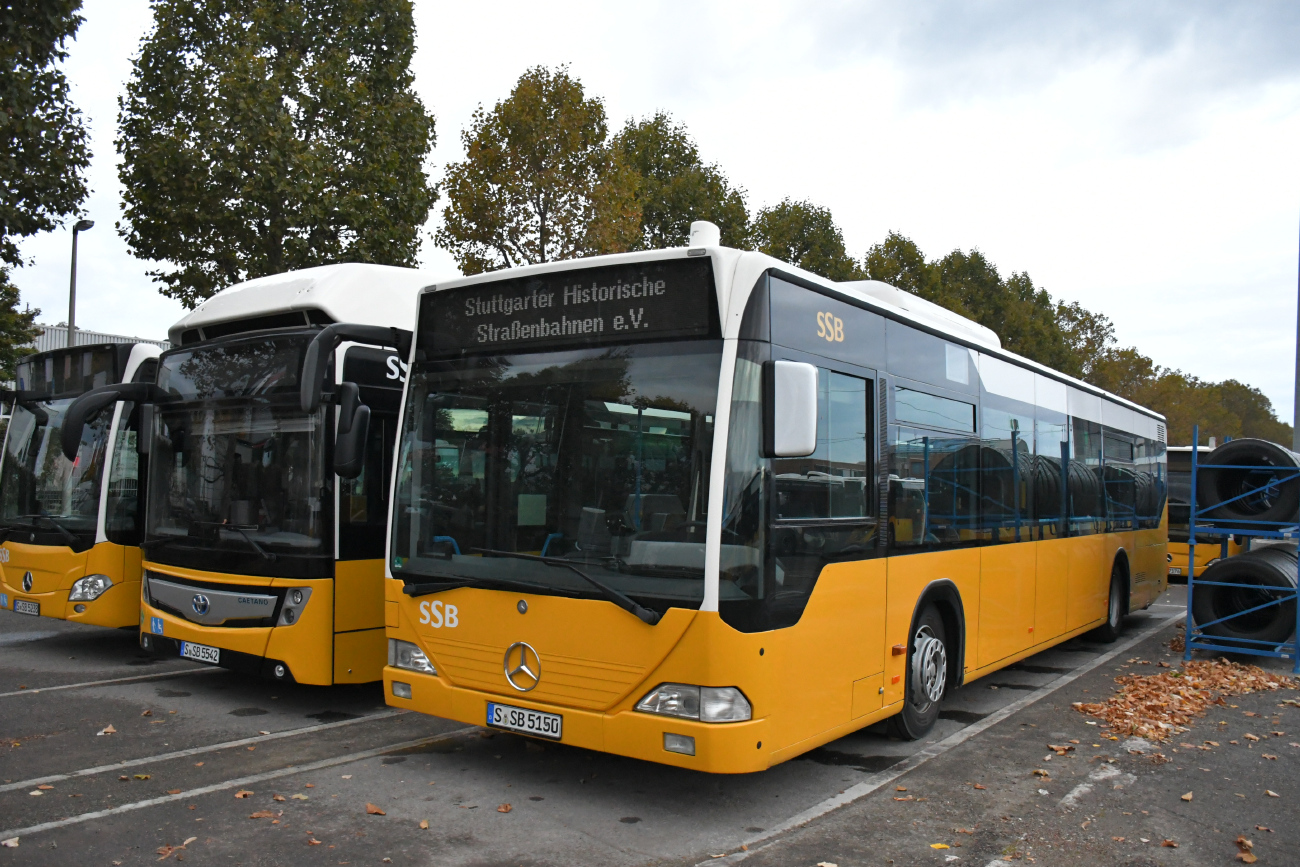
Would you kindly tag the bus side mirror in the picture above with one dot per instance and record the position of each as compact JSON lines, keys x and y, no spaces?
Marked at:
{"x":353,"y":428}
{"x":145,"y":431}
{"x":789,"y":409}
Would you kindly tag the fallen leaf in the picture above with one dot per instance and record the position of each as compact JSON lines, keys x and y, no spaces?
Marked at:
{"x":1248,"y":736}
{"x":106,"y":730}
{"x":11,"y":843}
{"x":312,"y":841}
{"x":198,"y":764}
{"x":309,"y":785}
{"x":940,"y":846}
{"x":147,"y":713}
{"x":1271,"y":793}
{"x":347,"y":776}
{"x":1213,"y":743}
{"x":173,"y":791}
{"x":1263,"y":828}
{"x":250,"y":749}
{"x":1118,"y":839}
{"x":374,"y":811}
{"x":1270,"y":756}
{"x":1169,"y":844}
{"x":142,"y":776}
{"x":905,"y":798}
{"x":263,"y":733}
{"x":298,"y":796}
{"x":963,"y":830}
{"x":900,"y":788}
{"x":124,"y":779}
{"x":35,"y":792}
{"x":827,"y":864}
{"x":1243,"y":850}
{"x":243,"y":793}
{"x":978,"y":786}
{"x":1187,"y":797}
{"x":424,"y":824}
{"x":262,"y":814}
{"x":45,"y":787}
{"x":504,"y":808}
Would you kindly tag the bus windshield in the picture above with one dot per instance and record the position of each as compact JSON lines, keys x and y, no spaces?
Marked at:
{"x":55,"y":499}
{"x":594,"y":459}
{"x":237,"y":467}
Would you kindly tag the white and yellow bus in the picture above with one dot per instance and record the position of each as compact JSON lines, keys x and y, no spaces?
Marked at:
{"x":71,"y":526}
{"x":272,"y":422}
{"x":700,"y":507}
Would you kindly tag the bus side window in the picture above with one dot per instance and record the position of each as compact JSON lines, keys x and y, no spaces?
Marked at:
{"x":363,"y":506}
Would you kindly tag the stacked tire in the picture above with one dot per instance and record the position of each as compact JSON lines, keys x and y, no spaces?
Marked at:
{"x":1244,"y":589}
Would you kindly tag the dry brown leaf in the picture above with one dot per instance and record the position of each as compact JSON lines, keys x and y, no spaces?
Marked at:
{"x":277,"y":797}
{"x":147,"y":713}
{"x":309,"y":785}
{"x":1187,"y":797}
{"x":244,"y":793}
{"x":1271,"y":793}
{"x":1243,"y":850}
{"x":900,"y":788}
{"x":374,"y":811}
{"x":905,"y":798}
{"x":1118,"y":839}
{"x":1263,"y":828}
{"x":1248,"y":736}
{"x":978,"y":786}
{"x":106,"y":730}
{"x":504,"y":808}
{"x":173,"y":791}
{"x":262,"y":814}
{"x":424,"y":824}
{"x":11,"y":843}
{"x":1169,"y":844}
{"x":1269,"y":756}
{"x":298,"y":796}
{"x":198,"y":764}
{"x":45,"y":787}
{"x":312,"y":841}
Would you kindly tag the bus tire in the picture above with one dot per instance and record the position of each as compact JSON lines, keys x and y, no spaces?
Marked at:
{"x":1116,"y":606}
{"x":927,"y":677}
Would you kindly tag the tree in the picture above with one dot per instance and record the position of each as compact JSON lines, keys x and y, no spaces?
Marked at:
{"x":17,"y":328}
{"x":675,"y":187}
{"x":899,"y":262}
{"x":259,"y":136}
{"x":538,"y":182}
{"x":43,"y":143}
{"x":804,"y":234}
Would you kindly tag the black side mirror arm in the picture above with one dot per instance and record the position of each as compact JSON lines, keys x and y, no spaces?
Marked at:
{"x":323,"y":345}
{"x":85,"y":407}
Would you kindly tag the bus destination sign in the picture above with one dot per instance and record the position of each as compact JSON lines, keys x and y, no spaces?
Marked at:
{"x":655,"y":300}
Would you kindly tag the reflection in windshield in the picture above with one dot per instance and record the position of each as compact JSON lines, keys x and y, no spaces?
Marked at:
{"x":598,"y":457}
{"x":39,"y":480}
{"x":227,"y":472}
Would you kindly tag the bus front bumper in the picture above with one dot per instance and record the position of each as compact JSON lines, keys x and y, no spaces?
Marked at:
{"x":240,"y":649}
{"x":55,"y":569}
{"x":719,"y":748}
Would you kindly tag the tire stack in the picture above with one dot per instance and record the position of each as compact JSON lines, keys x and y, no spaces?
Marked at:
{"x":1236,"y":585}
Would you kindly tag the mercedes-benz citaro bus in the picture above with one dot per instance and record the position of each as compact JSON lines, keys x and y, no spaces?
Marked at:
{"x":273,"y":424}
{"x":701,"y":507}
{"x":1209,"y":548}
{"x":71,"y":524}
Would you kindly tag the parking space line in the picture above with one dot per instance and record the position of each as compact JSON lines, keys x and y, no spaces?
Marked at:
{"x":160,"y":676}
{"x":198,"y":751}
{"x":240,"y":781}
{"x":911,"y":763}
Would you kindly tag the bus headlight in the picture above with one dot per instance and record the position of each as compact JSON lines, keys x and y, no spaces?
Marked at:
{"x":89,"y":588}
{"x":404,"y":654}
{"x":294,"y":600}
{"x":705,"y":703}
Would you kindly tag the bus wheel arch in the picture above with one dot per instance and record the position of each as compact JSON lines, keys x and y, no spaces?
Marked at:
{"x":1118,"y":596}
{"x":937,"y":633}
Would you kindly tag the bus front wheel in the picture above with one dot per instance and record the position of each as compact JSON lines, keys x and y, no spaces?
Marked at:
{"x":927,"y":677}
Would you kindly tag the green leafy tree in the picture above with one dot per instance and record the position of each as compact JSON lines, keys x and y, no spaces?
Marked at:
{"x":804,"y":234}
{"x":43,"y":143}
{"x":259,"y":136}
{"x":17,"y":329}
{"x":899,"y":262}
{"x":675,"y":187}
{"x":538,"y":182}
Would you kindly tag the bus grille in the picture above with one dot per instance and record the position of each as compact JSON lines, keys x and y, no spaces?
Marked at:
{"x":570,"y":681}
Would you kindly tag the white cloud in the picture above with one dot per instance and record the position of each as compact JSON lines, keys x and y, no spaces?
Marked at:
{"x":1139,"y":158}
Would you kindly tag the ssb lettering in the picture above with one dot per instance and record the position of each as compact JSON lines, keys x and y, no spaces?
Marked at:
{"x":438,"y":616}
{"x":830,"y":327}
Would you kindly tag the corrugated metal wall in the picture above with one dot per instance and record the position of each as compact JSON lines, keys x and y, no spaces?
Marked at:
{"x":56,"y":337}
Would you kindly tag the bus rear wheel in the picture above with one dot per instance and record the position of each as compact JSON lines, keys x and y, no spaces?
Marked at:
{"x":927,"y":677}
{"x":1115,"y":607}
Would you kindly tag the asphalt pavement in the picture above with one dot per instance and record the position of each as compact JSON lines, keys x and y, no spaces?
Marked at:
{"x":259,"y":773}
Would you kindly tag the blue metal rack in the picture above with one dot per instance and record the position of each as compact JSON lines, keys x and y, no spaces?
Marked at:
{"x":1196,"y":638}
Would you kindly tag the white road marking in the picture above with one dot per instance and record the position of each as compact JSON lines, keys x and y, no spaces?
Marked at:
{"x":23,"y":637}
{"x":235,"y":783}
{"x":911,"y":763}
{"x":198,"y":751}
{"x":160,"y":676}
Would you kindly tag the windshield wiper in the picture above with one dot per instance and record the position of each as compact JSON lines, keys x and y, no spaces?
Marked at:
{"x":455,"y":581}
{"x":628,"y":605}
{"x":266,"y":555}
{"x":164,"y":541}
{"x":63,"y":531}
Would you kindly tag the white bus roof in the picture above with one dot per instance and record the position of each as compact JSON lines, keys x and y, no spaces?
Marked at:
{"x":352,"y":292}
{"x":741,"y":269}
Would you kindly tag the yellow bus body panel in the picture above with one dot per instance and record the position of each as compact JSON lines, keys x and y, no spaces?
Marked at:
{"x":54,"y":568}
{"x":359,"y":595}
{"x":831,"y":673}
{"x":1205,"y":552}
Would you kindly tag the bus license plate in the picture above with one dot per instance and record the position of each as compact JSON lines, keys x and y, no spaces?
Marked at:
{"x":26,"y":606}
{"x":1175,"y":571}
{"x":201,"y":652}
{"x":531,"y":722}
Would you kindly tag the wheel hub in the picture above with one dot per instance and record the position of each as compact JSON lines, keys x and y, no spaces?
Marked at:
{"x":929,"y":666}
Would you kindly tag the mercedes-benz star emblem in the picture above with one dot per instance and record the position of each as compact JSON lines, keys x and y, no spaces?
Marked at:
{"x":27,"y":582}
{"x":200,"y":604}
{"x":523,"y":666}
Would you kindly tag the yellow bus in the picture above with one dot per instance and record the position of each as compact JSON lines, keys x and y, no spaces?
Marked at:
{"x":1209,"y":548}
{"x":700,"y":507}
{"x":273,"y":423}
{"x":71,"y":525}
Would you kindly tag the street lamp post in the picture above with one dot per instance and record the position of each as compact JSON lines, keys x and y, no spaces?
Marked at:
{"x":81,"y":226}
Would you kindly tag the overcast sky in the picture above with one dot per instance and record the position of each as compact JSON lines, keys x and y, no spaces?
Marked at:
{"x":1140,"y":158}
